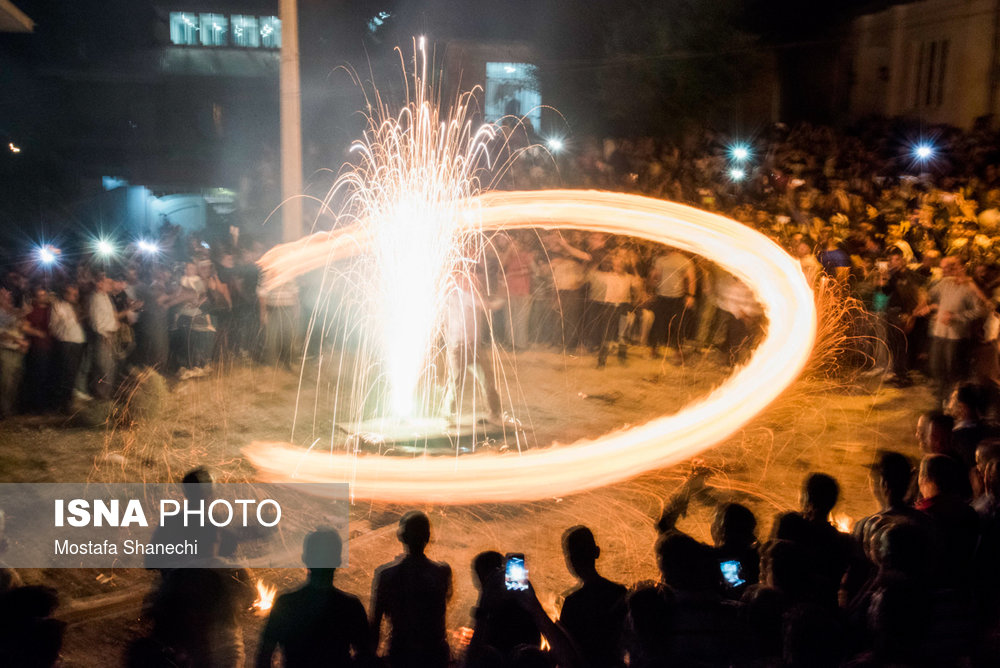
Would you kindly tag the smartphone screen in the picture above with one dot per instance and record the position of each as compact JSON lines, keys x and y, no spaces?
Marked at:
{"x":731,"y":571}
{"x":515,"y":574}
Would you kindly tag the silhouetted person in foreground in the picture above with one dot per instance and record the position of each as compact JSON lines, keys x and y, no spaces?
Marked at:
{"x":891,"y":481}
{"x":29,"y":636}
{"x":413,"y":593}
{"x":829,"y":550}
{"x":198,"y":488}
{"x":987,"y":578}
{"x":893,"y":611}
{"x":317,"y":624}
{"x":965,"y":405}
{"x":196,"y":615}
{"x":649,"y":610}
{"x":594,"y":612}
{"x":943,"y":481}
{"x":734,"y":534}
{"x":703,"y":625}
{"x":501,"y":622}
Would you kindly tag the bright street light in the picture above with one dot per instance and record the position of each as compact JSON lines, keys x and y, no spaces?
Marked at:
{"x":740,"y":153}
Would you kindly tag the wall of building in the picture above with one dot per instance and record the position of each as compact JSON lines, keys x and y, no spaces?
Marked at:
{"x":933,"y":60}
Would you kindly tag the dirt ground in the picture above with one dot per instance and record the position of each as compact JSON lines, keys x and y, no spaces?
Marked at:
{"x":819,"y":424}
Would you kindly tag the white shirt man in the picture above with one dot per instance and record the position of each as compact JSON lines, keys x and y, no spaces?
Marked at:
{"x":103,"y":317}
{"x":64,"y":324}
{"x":673,"y":275}
{"x":104,"y":323}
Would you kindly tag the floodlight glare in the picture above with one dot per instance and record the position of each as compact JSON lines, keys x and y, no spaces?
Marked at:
{"x":46,"y":256}
{"x":740,"y":153}
{"x":555,"y":144}
{"x":105,"y":248}
{"x":737,"y":174}
{"x":147,"y":247}
{"x":924,"y":151}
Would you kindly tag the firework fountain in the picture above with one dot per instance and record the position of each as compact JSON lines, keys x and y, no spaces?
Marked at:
{"x":400,"y":207}
{"x":414,"y":208}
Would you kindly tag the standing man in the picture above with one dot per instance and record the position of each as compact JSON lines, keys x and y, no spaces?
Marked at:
{"x":464,"y":327}
{"x":955,"y":304}
{"x":613,"y":290}
{"x":904,"y":299}
{"x":103,"y":325}
{"x":279,"y":318}
{"x":674,"y":283}
{"x":70,"y":341}
{"x":739,"y":316}
{"x":413,"y":593}
{"x":13,"y":346}
{"x":568,"y":266}
{"x":518,"y":269}
{"x":593,"y":614}
{"x":317,"y":624}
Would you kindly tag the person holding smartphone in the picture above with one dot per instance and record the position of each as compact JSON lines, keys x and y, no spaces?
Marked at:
{"x":563,"y":650}
{"x":734,"y":535}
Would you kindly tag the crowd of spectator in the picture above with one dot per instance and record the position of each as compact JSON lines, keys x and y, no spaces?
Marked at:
{"x":904,"y":224}
{"x":909,"y":234}
{"x":70,"y":330}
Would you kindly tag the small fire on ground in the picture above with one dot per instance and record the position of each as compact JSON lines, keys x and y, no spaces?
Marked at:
{"x":265,"y":597}
{"x":843,"y":523}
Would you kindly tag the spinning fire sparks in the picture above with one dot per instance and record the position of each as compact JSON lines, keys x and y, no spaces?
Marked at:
{"x":774,"y":277}
{"x":413,"y":210}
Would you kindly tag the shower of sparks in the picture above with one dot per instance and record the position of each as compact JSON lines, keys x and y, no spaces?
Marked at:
{"x":775,"y":278}
{"x":413,"y":170}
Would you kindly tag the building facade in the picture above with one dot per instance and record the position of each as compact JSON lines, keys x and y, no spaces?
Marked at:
{"x":933,"y":60}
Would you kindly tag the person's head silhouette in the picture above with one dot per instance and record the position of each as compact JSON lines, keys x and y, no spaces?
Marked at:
{"x":414,"y":531}
{"x":197,"y":484}
{"x":891,"y":477}
{"x":484,"y":566}
{"x":321,"y":553}
{"x":734,"y":525}
{"x":581,"y":551}
{"x":819,"y":496}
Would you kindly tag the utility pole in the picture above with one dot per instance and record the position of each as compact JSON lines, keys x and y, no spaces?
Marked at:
{"x":291,"y":123}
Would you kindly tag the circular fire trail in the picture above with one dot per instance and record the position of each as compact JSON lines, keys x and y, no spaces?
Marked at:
{"x":775,"y":278}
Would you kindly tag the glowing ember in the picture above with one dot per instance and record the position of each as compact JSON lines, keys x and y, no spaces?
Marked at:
{"x":775,"y":278}
{"x":265,"y":597}
{"x":843,"y":523}
{"x":462,"y":636}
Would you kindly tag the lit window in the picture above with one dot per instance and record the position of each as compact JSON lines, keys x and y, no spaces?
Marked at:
{"x":270,"y":32}
{"x":377,"y":21}
{"x":214,"y":29}
{"x":512,"y":90}
{"x":246,"y":31}
{"x":183,"y":28}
